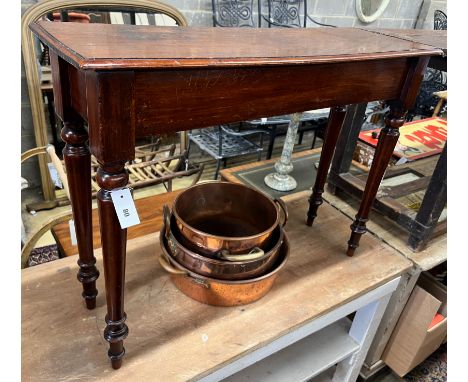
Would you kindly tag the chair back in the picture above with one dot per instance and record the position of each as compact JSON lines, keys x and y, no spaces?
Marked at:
{"x":287,"y":13}
{"x":440,"y":20}
{"x":233,"y":13}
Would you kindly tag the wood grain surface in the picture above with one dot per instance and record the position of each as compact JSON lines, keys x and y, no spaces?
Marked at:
{"x":125,"y":46}
{"x":150,"y":213}
{"x":174,"y":338}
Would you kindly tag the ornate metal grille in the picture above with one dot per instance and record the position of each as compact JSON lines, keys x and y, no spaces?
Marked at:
{"x":233,"y":13}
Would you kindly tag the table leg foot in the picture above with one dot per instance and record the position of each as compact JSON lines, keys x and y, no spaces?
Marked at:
{"x":358,"y":228}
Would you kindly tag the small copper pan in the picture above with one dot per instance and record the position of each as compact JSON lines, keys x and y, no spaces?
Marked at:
{"x":229,"y":267}
{"x":221,"y":292}
{"x":216,"y":216}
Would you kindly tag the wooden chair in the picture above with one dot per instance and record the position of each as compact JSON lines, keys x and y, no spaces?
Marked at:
{"x":151,"y":166}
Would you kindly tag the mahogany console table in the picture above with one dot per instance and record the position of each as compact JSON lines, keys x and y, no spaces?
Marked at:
{"x":129,"y":81}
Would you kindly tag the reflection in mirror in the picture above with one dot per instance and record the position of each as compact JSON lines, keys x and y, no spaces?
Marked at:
{"x":37,"y":62}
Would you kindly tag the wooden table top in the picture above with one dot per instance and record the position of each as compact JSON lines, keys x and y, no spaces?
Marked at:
{"x":108,"y":47}
{"x":174,"y":338}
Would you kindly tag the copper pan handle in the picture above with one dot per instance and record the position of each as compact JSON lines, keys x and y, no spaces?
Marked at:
{"x":173,"y":271}
{"x":283,"y":206}
{"x":169,"y":268}
{"x":254,"y":254}
{"x":167,"y":220}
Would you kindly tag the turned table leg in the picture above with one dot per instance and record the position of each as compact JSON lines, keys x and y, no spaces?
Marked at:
{"x":114,"y":242}
{"x":335,"y":122}
{"x":78,"y":164}
{"x":387,"y":140}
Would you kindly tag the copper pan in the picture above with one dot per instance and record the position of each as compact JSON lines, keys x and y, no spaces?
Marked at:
{"x":229,"y":267}
{"x":216,"y":216}
{"x":221,"y":292}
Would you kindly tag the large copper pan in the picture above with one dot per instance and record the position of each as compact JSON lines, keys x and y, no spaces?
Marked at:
{"x":221,"y":292}
{"x":235,"y":267}
{"x":216,"y":216}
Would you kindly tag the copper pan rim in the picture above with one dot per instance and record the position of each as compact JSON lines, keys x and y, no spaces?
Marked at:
{"x":227,"y":238}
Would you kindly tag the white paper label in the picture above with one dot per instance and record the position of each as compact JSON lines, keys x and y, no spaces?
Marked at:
{"x":264,"y":120}
{"x":71,"y":224}
{"x":54,"y":175}
{"x":125,"y":208}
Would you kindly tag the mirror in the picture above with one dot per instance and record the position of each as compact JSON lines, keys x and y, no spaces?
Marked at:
{"x":36,"y":60}
{"x":370,"y":10}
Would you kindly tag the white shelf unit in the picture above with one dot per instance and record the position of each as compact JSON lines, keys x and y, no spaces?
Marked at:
{"x":305,"y":359}
{"x":316,"y":347}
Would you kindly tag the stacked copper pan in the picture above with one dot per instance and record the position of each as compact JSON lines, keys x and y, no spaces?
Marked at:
{"x":223,"y":243}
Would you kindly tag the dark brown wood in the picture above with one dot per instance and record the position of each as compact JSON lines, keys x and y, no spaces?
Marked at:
{"x":139,"y":80}
{"x":113,"y":242}
{"x":387,"y":141}
{"x":78,"y":162}
{"x":111,"y":123}
{"x":335,"y":121}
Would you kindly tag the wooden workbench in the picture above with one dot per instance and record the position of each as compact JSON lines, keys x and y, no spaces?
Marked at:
{"x":390,"y":233}
{"x":175,"y":338}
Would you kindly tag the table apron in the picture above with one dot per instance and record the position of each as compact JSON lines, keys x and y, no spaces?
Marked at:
{"x":176,"y":100}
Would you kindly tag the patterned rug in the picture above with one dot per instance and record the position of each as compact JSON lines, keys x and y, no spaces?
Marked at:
{"x":42,"y":255}
{"x":433,"y":369}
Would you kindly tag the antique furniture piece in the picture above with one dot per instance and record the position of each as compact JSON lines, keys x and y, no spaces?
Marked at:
{"x":174,"y":338}
{"x":125,"y":90}
{"x":222,"y":142}
{"x":286,"y":14}
{"x":433,"y":255}
{"x":421,"y":226}
{"x":100,"y":10}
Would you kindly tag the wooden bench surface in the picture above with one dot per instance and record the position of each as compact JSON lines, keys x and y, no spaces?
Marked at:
{"x":174,"y":338}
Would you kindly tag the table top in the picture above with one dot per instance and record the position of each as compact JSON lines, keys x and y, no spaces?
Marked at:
{"x":108,"y":47}
{"x":434,"y":38}
{"x":176,"y":338}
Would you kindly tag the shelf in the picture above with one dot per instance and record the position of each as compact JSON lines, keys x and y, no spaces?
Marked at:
{"x":305,"y":359}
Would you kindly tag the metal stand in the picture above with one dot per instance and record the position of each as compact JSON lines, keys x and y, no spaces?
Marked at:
{"x":280,"y":180}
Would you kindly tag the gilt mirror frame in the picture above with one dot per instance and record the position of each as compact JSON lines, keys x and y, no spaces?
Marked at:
{"x":28,"y":47}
